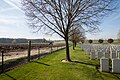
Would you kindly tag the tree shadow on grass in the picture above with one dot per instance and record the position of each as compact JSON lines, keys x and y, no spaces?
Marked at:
{"x":98,"y":73}
{"x":10,"y":76}
{"x":96,"y":65}
{"x":41,"y":63}
{"x":115,"y":75}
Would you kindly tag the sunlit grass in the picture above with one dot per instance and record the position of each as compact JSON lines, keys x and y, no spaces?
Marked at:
{"x":51,"y":68}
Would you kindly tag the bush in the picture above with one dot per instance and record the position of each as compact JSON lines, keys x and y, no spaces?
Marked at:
{"x":90,"y":41}
{"x":82,"y":41}
{"x":110,"y":41}
{"x":100,"y":40}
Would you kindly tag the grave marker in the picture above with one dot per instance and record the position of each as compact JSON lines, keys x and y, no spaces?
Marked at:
{"x":92,"y":55}
{"x":104,"y":64}
{"x":99,"y":55}
{"x":116,"y":65}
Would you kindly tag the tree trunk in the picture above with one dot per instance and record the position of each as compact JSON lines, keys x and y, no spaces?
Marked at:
{"x":73,"y":46}
{"x":67,"y":51}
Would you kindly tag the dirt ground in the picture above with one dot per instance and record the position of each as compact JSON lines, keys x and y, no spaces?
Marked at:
{"x":18,"y":54}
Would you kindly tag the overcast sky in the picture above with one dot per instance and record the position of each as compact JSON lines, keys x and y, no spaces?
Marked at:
{"x":13,"y":24}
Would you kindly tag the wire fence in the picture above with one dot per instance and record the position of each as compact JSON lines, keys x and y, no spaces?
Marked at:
{"x":12,"y":56}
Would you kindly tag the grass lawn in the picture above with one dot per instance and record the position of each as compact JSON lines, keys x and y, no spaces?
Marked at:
{"x":51,"y":68}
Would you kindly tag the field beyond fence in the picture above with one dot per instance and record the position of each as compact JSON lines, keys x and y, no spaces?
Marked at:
{"x":15,"y":55}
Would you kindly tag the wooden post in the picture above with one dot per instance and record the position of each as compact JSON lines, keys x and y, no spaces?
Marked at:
{"x":29,"y":50}
{"x":51,"y":45}
{"x":2,"y":61}
{"x":51,"y":48}
{"x":38,"y":52}
{"x":57,"y":47}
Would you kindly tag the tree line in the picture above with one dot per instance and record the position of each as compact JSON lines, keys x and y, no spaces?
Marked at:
{"x":22,"y":40}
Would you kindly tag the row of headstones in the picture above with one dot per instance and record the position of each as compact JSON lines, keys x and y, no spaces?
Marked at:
{"x":105,"y":55}
{"x":103,"y":47}
{"x":104,"y":65}
{"x":106,"y":52}
{"x":104,"y":62}
{"x":115,"y":56}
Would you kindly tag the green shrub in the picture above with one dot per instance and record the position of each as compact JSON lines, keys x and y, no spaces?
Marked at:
{"x":110,"y":41}
{"x":90,"y":41}
{"x":100,"y":40}
{"x":82,"y":41}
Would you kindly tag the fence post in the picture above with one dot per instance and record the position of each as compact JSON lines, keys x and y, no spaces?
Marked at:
{"x":29,"y":50}
{"x":39,"y":52}
{"x":57,"y":48}
{"x":51,"y":49}
{"x":51,"y":45}
{"x":2,"y":61}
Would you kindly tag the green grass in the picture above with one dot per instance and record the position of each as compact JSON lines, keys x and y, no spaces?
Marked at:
{"x":51,"y":68}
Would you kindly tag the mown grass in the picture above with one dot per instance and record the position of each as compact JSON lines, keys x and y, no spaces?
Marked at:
{"x":51,"y":68}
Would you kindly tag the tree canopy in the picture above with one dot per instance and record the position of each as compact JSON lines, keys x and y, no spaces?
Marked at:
{"x":90,"y":41}
{"x":100,"y":40}
{"x":110,"y":41}
{"x":76,"y":35}
{"x":118,"y":35}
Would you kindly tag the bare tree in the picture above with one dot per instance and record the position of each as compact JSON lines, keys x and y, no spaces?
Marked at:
{"x":59,"y":16}
{"x":118,"y":36}
{"x":76,"y":35}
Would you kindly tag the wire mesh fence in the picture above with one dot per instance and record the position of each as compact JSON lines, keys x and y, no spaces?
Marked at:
{"x":17,"y":54}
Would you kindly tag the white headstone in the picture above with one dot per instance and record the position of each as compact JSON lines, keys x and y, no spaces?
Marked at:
{"x":113,"y":55}
{"x":107,"y":55}
{"x":118,"y":55}
{"x":99,"y":54}
{"x":104,"y":64}
{"x":116,"y":65}
{"x":92,"y":55}
{"x":88,"y":51}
